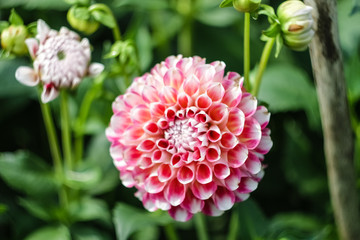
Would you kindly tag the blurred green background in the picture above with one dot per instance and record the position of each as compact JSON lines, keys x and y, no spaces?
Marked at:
{"x":292,"y":200}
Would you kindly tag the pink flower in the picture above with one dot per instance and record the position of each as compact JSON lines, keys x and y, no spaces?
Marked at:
{"x":61,"y":60}
{"x":189,"y":139}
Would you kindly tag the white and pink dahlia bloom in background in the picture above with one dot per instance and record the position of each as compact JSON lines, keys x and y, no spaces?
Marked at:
{"x":61,"y":60}
{"x":189,"y":139}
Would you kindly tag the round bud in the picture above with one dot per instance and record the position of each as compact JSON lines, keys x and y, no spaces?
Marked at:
{"x":13,"y":39}
{"x":246,"y":5}
{"x":80,"y":19}
{"x":296,"y":24}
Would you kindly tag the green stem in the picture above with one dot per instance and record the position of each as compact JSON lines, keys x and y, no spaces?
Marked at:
{"x":170,"y":232}
{"x":234,"y":225}
{"x":247,"y":50}
{"x":83,"y":114}
{"x":54,"y":149}
{"x":263,"y":62}
{"x":106,"y":9}
{"x":184,"y":7}
{"x":201,"y":227}
{"x":65,"y":128}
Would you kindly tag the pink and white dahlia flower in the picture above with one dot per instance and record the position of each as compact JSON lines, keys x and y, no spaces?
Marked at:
{"x":61,"y":60}
{"x":189,"y":139}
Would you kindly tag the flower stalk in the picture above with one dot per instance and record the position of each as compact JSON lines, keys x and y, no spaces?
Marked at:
{"x":66,"y":130}
{"x":201,"y":227}
{"x":247,"y":50}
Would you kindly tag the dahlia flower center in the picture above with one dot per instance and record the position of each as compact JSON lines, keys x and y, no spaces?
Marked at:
{"x":61,"y":55}
{"x":182,"y":134}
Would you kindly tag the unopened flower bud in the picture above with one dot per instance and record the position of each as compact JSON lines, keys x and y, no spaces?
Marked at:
{"x":80,"y":19}
{"x":13,"y":39}
{"x":296,"y":24}
{"x":246,"y":5}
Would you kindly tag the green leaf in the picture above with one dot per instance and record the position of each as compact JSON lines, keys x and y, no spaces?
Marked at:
{"x":279,"y":45}
{"x":35,"y":4}
{"x":104,"y":18}
{"x":3,"y":25}
{"x":272,"y":31}
{"x":88,"y":209}
{"x":38,"y":209}
{"x":88,"y":233}
{"x":78,"y":2}
{"x":57,"y":232}
{"x":268,"y":11}
{"x":15,"y":19}
{"x":253,"y":224}
{"x":83,"y":179}
{"x":128,"y":220}
{"x":148,"y":5}
{"x":226,"y":3}
{"x":3,"y":208}
{"x":286,"y":87}
{"x":81,"y":13}
{"x":27,"y":173}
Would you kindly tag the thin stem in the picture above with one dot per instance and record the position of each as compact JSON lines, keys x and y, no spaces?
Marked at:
{"x":83,"y":114}
{"x":65,"y":128}
{"x":184,"y":7}
{"x":263,"y":62}
{"x":234,"y":226}
{"x":247,"y":50}
{"x":54,"y":149}
{"x":170,"y":232}
{"x":201,"y":227}
{"x":106,"y":9}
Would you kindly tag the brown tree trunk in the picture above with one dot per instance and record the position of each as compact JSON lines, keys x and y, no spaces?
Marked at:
{"x":328,"y":71}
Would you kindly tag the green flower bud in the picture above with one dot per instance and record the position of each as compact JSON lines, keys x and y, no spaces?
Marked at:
{"x":246,"y":5}
{"x":81,"y":20}
{"x":296,"y":24}
{"x":13,"y":39}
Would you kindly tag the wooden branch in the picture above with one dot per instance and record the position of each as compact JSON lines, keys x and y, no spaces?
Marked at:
{"x":328,"y":71}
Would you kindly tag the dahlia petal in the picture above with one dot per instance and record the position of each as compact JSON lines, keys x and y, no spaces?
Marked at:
{"x":253,"y":164}
{"x":251,"y":135}
{"x":181,"y":114}
{"x":180,"y":214}
{"x":205,"y":73}
{"x":184,"y":100}
{"x":237,"y":156}
{"x":218,"y":113}
{"x":27,"y":76}
{"x":164,"y":172}
{"x":150,"y":94}
{"x":191,"y":112}
{"x":33,"y":46}
{"x":127,"y":179}
{"x":186,"y":174}
{"x":140,"y":114}
{"x":198,"y":154}
{"x":203,"y":191}
{"x":247,"y":185}
{"x":211,"y":210}
{"x":170,"y":113}
{"x":234,"y":77}
{"x":168,"y":95}
{"x":219,"y":69}
{"x":202,"y":117}
{"x":49,"y":93}
{"x":236,"y":121}
{"x":42,"y":30}
{"x":157,"y":109}
{"x":160,"y":201}
{"x":132,"y":134}
{"x":146,"y":145}
{"x":232,"y":94}
{"x":149,"y":203}
{"x":203,"y":102}
{"x":233,"y":180}
{"x":213,"y":152}
{"x":95,"y":69}
{"x":163,"y":123}
{"x":151,"y":128}
{"x":223,"y":198}
{"x":214,"y":133}
{"x":111,"y":135}
{"x":240,"y":197}
{"x":221,"y":170}
{"x":154,"y":185}
{"x":248,"y":104}
{"x":185,"y":65}
{"x":191,"y":85}
{"x":192,"y":204}
{"x":132,"y":99}
{"x":203,"y":173}
{"x":262,"y":115}
{"x":146,"y":162}
{"x":120,"y":121}
{"x":173,"y":78}
{"x":216,"y":91}
{"x":175,"y":192}
{"x":228,"y":140}
{"x":176,"y":160}
{"x":116,"y":151}
{"x":265,"y":143}
{"x":162,"y":144}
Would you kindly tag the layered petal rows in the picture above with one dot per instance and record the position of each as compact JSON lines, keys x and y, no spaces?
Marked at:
{"x":189,"y":139}
{"x":61,"y":60}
